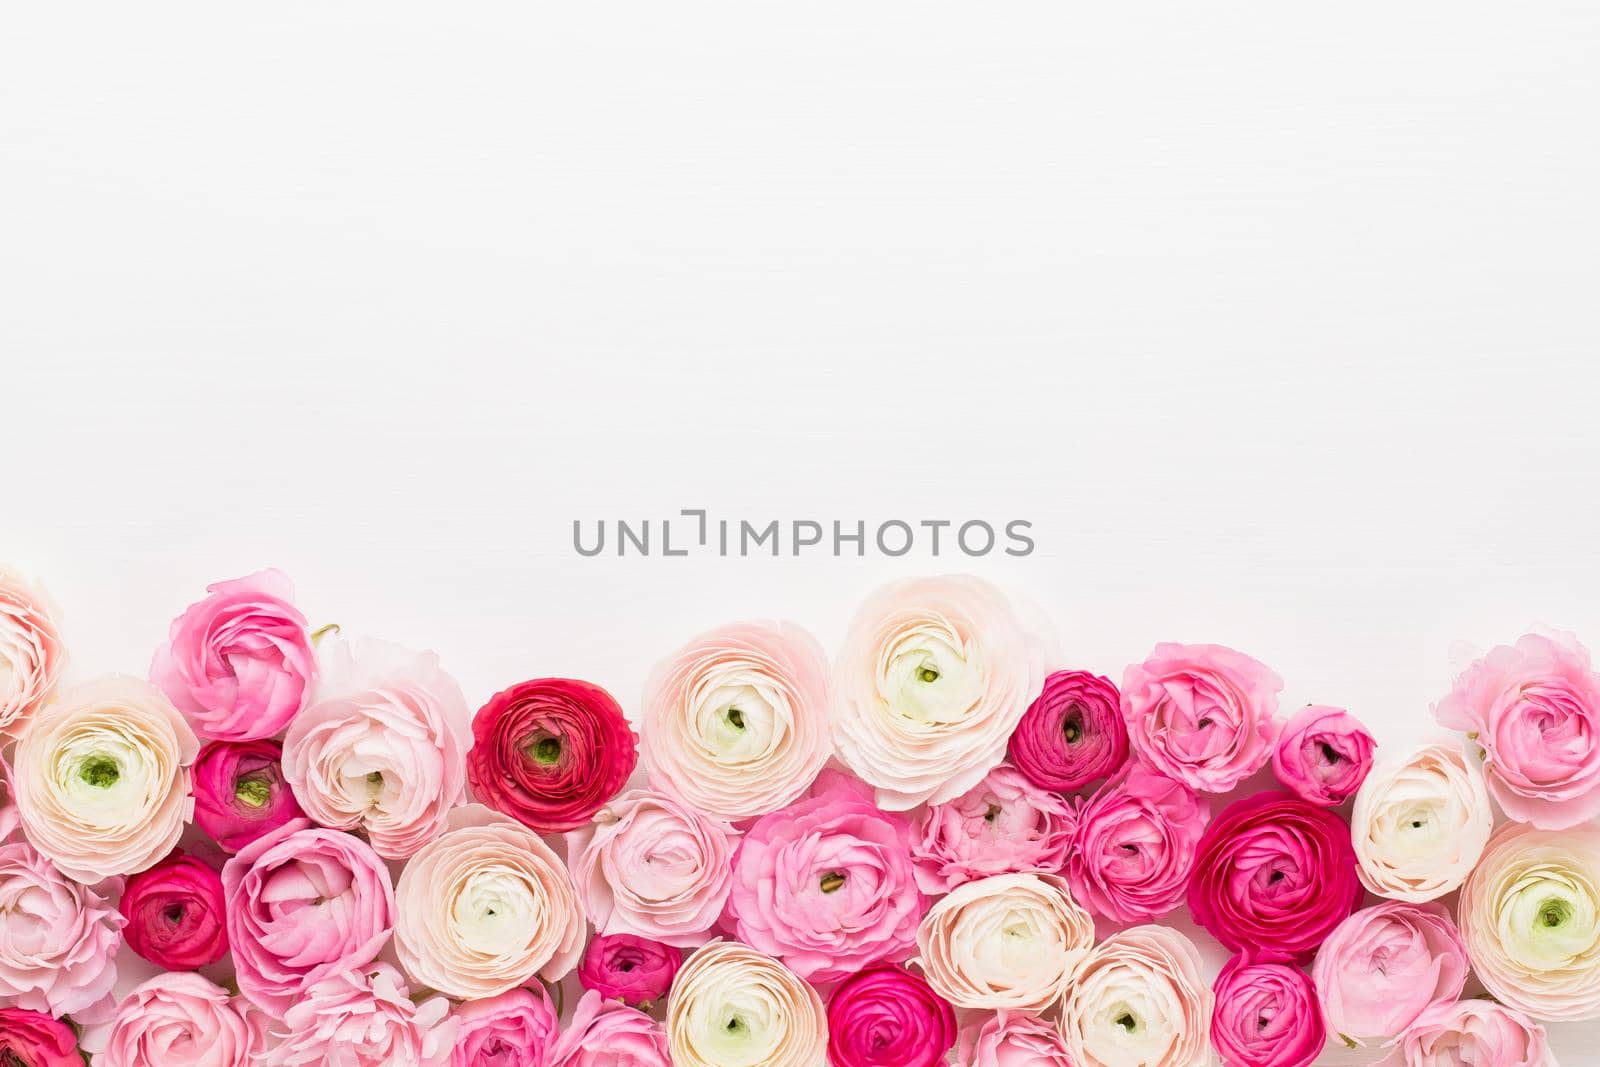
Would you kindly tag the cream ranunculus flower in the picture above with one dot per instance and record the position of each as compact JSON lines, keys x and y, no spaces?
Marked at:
{"x":1530,"y":916}
{"x":485,"y":907}
{"x":1007,"y":942}
{"x":934,"y":676}
{"x":102,"y":778}
{"x":1420,"y":823}
{"x":1139,"y":998}
{"x":731,"y":1006}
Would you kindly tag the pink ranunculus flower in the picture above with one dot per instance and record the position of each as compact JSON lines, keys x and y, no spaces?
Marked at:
{"x":1011,"y":1039}
{"x":239,"y":663}
{"x":887,"y":1016}
{"x":1384,"y":966}
{"x":1201,"y":714}
{"x":58,"y":938}
{"x":365,"y":1017}
{"x":174,"y":914}
{"x":240,"y":793}
{"x":1139,"y":998}
{"x":34,"y":1039}
{"x":1003,"y":825}
{"x":1476,"y":1032}
{"x":8,"y":807}
{"x":1135,"y":846}
{"x":515,"y":1029}
{"x":826,"y":884}
{"x":1535,"y":708}
{"x":183,"y":1020}
{"x":1072,"y":734}
{"x":304,"y":902}
{"x":653,"y":866}
{"x":604,"y":1033}
{"x":1266,"y":1013}
{"x":1323,"y":755}
{"x":631,"y":969}
{"x":383,"y":746}
{"x":31,"y":654}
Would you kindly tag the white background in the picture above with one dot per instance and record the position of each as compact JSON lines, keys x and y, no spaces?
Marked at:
{"x":1278,"y":322}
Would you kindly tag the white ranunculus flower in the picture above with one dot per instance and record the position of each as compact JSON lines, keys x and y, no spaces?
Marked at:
{"x":1010,"y":941}
{"x":1420,"y":823}
{"x":1139,"y":998}
{"x":1530,"y":916}
{"x":934,"y":676}
{"x":731,"y":1006}
{"x":102,"y":778}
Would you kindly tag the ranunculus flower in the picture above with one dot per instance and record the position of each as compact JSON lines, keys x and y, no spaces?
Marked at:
{"x":1323,"y":755}
{"x":736,"y":721}
{"x":934,"y":676}
{"x":515,"y":1029}
{"x":383,"y":746}
{"x":8,"y":809}
{"x":1530,"y":915}
{"x":653,"y":866}
{"x":1072,"y":734}
{"x":58,"y":940}
{"x":174,"y":914}
{"x":606,"y":1034}
{"x":1535,"y":708}
{"x":34,"y":1039}
{"x":1384,"y":966}
{"x":183,"y":1020}
{"x":239,"y":663}
{"x":102,"y":778}
{"x":303,"y":903}
{"x":888,"y":1017}
{"x":1007,"y":942}
{"x":1139,"y":998}
{"x":550,"y":752}
{"x":1003,"y":825}
{"x":240,"y":793}
{"x":1266,"y":1013}
{"x":1201,"y":714}
{"x":1011,"y":1039}
{"x":631,"y":969}
{"x":1476,"y":1032}
{"x":31,"y":655}
{"x":1420,"y":823}
{"x":365,"y":1018}
{"x":1273,"y":877}
{"x":1135,"y":846}
{"x":826,"y":884}
{"x":485,"y":907}
{"x":731,"y":1006}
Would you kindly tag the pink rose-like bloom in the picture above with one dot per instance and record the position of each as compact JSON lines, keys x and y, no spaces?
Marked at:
{"x":1072,"y":734}
{"x":1003,"y":825}
{"x":365,"y":1018}
{"x":1012,"y":1039}
{"x":175,"y":915}
{"x":631,"y":969}
{"x":888,"y":1017}
{"x":240,"y":793}
{"x":1135,"y":846}
{"x":182,"y":1020}
{"x":1201,"y":714}
{"x":34,"y":1039}
{"x":1323,"y":755}
{"x":514,"y":1029}
{"x":604,"y":1033}
{"x":827,"y":885}
{"x":1384,"y":966}
{"x":304,"y":902}
{"x":1266,"y":1013}
{"x":58,"y":939}
{"x":239,"y":662}
{"x":1535,"y":709}
{"x":1477,"y":1032}
{"x":8,"y":810}
{"x":31,"y":655}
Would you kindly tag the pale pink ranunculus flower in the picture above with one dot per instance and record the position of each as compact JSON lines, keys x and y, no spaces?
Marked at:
{"x":1476,"y":1032}
{"x":1003,"y":825}
{"x":1011,"y":1039}
{"x":1384,"y":966}
{"x":732,"y":1006}
{"x":8,"y":808}
{"x":180,"y":1019}
{"x":59,"y":940}
{"x":1419,"y":823}
{"x":515,"y":1029}
{"x":382,"y":747}
{"x":653,"y":866}
{"x":31,"y":653}
{"x":1139,"y":998}
{"x":1135,"y":846}
{"x":365,"y":1018}
{"x":605,"y":1033}
{"x":736,"y":721}
{"x":933,"y":678}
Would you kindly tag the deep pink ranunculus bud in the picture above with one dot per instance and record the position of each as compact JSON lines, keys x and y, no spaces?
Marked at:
{"x":1072,"y":734}
{"x":1323,"y":755}
{"x":240,"y":793}
{"x":175,"y":916}
{"x":888,"y":1017}
{"x":1135,"y":846}
{"x":515,"y":1029}
{"x":1266,"y":1013}
{"x":634,"y":970}
{"x":34,"y":1039}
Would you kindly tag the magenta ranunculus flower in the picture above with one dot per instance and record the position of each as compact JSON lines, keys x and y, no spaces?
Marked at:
{"x":1201,"y":714}
{"x":1011,"y":1039}
{"x":1323,"y":755}
{"x":365,"y":1017}
{"x":1476,"y":1032}
{"x":1135,"y":846}
{"x":826,"y":884}
{"x":240,"y":792}
{"x":629,"y":968}
{"x":1266,"y":1013}
{"x":174,"y":914}
{"x":239,"y":663}
{"x":1384,"y":966}
{"x":58,"y":939}
{"x":886,"y":1016}
{"x":1003,"y":825}
{"x":1273,"y":877}
{"x":34,"y":1039}
{"x":515,"y":1029}
{"x":1072,"y":734}
{"x":604,"y":1033}
{"x":183,"y":1020}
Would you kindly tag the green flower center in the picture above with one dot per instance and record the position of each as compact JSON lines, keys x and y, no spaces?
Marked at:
{"x":1127,"y":1022}
{"x":547,"y":751}
{"x":1072,"y":725}
{"x":736,"y":1025}
{"x":100,"y":772}
{"x":928,"y":674}
{"x":736,"y":718}
{"x":253,"y":792}
{"x":833,"y":881}
{"x":1554,"y":912}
